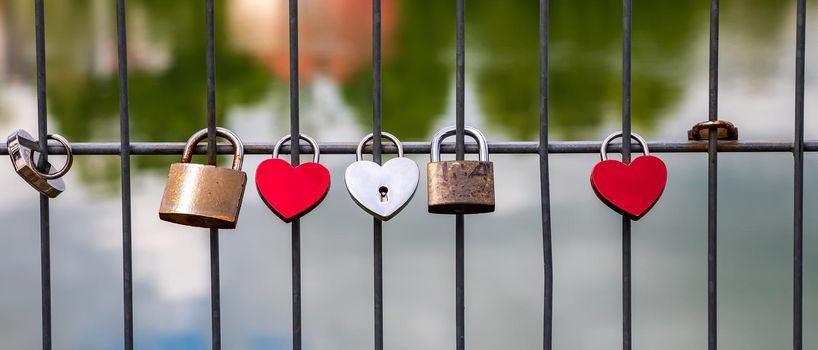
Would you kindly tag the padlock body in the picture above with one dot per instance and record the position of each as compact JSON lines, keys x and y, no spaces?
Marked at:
{"x":203,"y":196}
{"x":461,"y":187}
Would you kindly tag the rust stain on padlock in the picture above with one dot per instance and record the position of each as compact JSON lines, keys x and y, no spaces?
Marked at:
{"x":724,"y":130}
{"x":203,"y":196}
{"x":461,"y":187}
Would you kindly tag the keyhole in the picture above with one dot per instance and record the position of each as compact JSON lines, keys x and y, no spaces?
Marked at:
{"x":384,"y":194}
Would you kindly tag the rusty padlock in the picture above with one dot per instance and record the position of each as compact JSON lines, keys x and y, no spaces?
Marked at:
{"x":460,"y":186}
{"x":205,"y":195}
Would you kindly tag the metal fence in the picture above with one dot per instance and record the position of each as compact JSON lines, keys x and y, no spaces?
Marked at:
{"x":543,"y":148}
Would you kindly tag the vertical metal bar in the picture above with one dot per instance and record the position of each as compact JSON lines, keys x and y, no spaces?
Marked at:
{"x":296,"y":282}
{"x":211,"y":82}
{"x":460,"y":93}
{"x":377,"y":225}
{"x":626,"y":157}
{"x":45,"y":225}
{"x":712,"y":182}
{"x":378,"y":277}
{"x":626,"y":284}
{"x":295,"y":153}
{"x":460,"y":89}
{"x":125,"y":169}
{"x":798,"y":154}
{"x":376,"y":81}
{"x":545,"y":195}
{"x":460,"y":281}
{"x":215,"y":291}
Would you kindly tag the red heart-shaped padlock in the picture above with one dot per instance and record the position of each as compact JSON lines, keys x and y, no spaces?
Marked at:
{"x":289,"y":191}
{"x":630,"y":189}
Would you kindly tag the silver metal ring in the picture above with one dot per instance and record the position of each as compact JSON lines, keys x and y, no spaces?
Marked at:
{"x":475,"y":133}
{"x":69,"y":159}
{"x":304,"y":137}
{"x":20,"y":145}
{"x":199,"y":136}
{"x":603,"y":151}
{"x":360,"y":150}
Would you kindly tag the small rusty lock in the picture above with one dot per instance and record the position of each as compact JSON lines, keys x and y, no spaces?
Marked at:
{"x":460,"y":186}
{"x":205,"y":195}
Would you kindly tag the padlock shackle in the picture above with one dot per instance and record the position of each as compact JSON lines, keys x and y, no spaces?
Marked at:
{"x":304,"y":137}
{"x":445,"y":132}
{"x":359,"y":152}
{"x":199,"y":136}
{"x":603,"y":151}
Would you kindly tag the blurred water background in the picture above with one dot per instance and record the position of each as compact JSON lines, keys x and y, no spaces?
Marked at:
{"x":503,"y":250}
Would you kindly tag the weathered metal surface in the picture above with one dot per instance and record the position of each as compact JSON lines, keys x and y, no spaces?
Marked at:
{"x":203,"y":196}
{"x":461,"y":187}
{"x":724,"y":130}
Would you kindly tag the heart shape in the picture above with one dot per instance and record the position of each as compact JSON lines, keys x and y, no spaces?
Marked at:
{"x":633,"y":189}
{"x":289,"y":191}
{"x":365,"y":180}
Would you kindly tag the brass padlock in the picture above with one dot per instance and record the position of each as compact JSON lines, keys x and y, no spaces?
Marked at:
{"x":460,"y":186}
{"x":205,"y":195}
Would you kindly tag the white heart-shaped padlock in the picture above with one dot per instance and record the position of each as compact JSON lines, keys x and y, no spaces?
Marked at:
{"x":382,"y":190}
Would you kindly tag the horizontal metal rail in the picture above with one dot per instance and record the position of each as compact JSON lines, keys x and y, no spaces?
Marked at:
{"x":170,"y":148}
